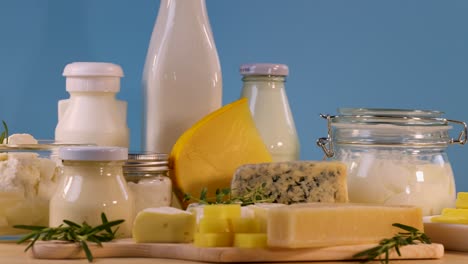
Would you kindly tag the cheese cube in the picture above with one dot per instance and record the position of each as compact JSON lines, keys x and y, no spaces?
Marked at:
{"x":322,"y":224}
{"x":213,"y":239}
{"x":462,"y":200}
{"x":214,"y":225}
{"x":260,"y":211}
{"x":250,"y":240}
{"x":293,"y":181}
{"x":222,"y":210}
{"x":245,"y":225}
{"x":164,"y":225}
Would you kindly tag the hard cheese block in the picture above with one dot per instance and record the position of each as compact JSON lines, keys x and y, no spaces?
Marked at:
{"x":207,"y":155}
{"x":164,"y":225}
{"x":322,"y":224}
{"x":294,"y":182}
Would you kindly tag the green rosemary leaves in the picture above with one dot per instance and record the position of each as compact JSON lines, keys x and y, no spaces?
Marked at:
{"x":73,"y":232}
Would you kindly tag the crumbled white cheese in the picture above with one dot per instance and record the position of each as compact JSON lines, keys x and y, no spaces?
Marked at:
{"x":18,"y":139}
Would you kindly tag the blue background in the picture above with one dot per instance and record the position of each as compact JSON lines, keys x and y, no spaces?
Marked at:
{"x":392,"y":54}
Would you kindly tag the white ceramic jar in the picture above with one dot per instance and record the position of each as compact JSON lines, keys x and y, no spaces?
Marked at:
{"x":182,"y":76}
{"x":93,"y":183}
{"x":92,"y":114}
{"x":264,"y":87}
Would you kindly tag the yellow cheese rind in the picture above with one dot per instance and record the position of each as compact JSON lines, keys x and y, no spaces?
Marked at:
{"x":321,"y":224}
{"x":163,"y":225}
{"x":213,"y":239}
{"x":207,"y":155}
{"x":250,"y":240}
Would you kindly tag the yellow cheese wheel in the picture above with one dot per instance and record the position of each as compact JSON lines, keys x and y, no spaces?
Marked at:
{"x":208,"y":154}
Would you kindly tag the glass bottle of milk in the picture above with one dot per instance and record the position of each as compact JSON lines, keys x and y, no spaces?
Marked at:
{"x":264,"y":86}
{"x":92,"y":114}
{"x":182,"y":75}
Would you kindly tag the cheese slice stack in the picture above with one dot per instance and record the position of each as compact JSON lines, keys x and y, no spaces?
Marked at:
{"x":322,"y":224}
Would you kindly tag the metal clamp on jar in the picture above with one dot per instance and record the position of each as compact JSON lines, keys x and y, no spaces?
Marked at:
{"x":394,"y":156}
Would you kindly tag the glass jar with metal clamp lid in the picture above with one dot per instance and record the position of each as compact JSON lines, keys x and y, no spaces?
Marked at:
{"x":147,"y":176}
{"x":395,"y":156}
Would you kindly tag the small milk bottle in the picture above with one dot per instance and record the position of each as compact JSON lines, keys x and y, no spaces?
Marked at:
{"x":92,"y":114}
{"x":182,"y":75}
{"x":263,"y":86}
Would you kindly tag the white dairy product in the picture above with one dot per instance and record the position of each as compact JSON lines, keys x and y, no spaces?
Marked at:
{"x":181,"y":82}
{"x":264,"y":86}
{"x":22,"y":138}
{"x":27,"y":183}
{"x":93,"y":183}
{"x":151,"y":192}
{"x":92,"y":114}
{"x":385,"y":177}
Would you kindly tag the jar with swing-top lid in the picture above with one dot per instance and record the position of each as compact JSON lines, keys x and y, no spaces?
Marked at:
{"x":395,"y":156}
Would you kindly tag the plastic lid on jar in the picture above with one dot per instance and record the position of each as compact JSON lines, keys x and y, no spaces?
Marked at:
{"x":264,"y":69}
{"x":93,"y":77}
{"x":83,"y":69}
{"x":93,"y":153}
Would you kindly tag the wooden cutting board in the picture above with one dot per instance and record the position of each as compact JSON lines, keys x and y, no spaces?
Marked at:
{"x":127,"y":248}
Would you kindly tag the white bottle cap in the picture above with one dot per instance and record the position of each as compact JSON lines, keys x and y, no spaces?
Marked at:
{"x":93,"y":153}
{"x":264,"y":69}
{"x":93,"y":77}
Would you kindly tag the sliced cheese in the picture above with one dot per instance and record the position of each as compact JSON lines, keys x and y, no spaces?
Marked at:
{"x":321,"y":224}
{"x":164,"y":225}
{"x":214,"y":225}
{"x":208,"y":154}
{"x":245,"y":225}
{"x":462,"y":200}
{"x":293,"y":181}
{"x":260,"y":212}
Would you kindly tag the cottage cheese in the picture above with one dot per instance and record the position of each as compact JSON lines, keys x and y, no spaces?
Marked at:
{"x":27,"y":183}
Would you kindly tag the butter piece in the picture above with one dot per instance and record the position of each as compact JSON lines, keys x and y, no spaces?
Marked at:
{"x":322,"y":224}
{"x":164,"y":225}
{"x":213,"y":239}
{"x":293,"y":181}
{"x":250,"y":240}
{"x":462,"y":200}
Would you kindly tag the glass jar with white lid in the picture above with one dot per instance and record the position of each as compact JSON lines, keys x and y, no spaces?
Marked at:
{"x":395,"y":156}
{"x":93,"y":183}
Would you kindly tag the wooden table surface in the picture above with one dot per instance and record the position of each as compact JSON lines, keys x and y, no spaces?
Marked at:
{"x":13,"y":254}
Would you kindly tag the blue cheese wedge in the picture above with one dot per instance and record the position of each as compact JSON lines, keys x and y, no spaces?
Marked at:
{"x":294,"y":181}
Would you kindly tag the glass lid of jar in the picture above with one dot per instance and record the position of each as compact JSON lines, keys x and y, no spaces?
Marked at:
{"x":389,"y":127}
{"x":405,"y":117}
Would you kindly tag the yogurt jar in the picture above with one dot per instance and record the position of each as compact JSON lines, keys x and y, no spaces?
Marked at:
{"x":395,"y":156}
{"x":92,"y":184}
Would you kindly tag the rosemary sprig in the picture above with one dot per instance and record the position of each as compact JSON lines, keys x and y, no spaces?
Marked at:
{"x":410,"y":237}
{"x":224,"y":196}
{"x":73,"y":232}
{"x":4,"y":134}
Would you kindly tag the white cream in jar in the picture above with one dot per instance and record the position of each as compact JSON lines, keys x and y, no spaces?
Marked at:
{"x":93,"y":183}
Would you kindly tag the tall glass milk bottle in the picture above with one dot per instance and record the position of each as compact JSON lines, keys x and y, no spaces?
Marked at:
{"x":182,"y":75}
{"x":92,"y":114}
{"x":264,"y":87}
